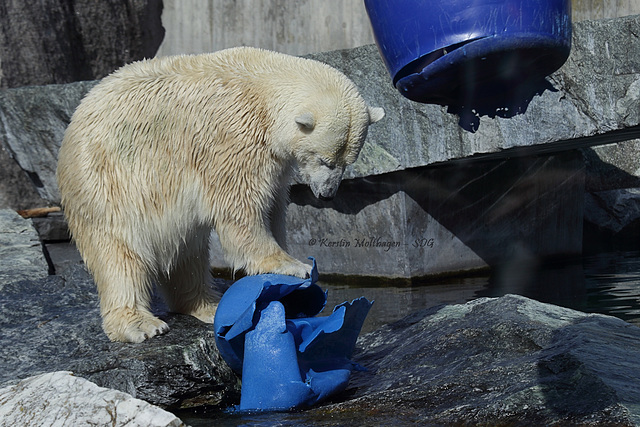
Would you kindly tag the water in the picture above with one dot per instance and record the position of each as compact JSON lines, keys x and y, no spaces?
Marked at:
{"x":613,"y":285}
{"x":605,"y":283}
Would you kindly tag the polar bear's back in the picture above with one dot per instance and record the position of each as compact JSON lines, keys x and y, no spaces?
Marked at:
{"x":192,"y":91}
{"x":249,"y":65}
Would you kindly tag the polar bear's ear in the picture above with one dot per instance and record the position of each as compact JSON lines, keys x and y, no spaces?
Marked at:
{"x":375,"y":114}
{"x":306,"y":120}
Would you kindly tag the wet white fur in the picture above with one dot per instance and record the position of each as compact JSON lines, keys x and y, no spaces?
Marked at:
{"x":164,"y":150}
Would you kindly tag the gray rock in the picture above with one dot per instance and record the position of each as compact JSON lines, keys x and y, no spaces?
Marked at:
{"x":593,"y":99}
{"x":613,"y":210}
{"x":59,"y":398}
{"x":593,"y":102}
{"x":32,"y":125}
{"x":612,"y":200}
{"x":52,"y":323}
{"x":52,"y":227}
{"x":64,"y":41}
{"x":508,"y":360}
{"x":612,"y":220}
{"x":612,"y":166}
{"x":21,"y":255}
{"x":504,"y":361}
{"x":16,"y":189}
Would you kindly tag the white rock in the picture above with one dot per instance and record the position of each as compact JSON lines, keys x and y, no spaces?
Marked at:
{"x":61,"y":399}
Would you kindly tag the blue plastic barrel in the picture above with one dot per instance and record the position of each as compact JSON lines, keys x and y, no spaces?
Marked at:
{"x":437,"y":51}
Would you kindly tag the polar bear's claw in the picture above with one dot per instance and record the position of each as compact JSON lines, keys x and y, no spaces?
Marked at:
{"x":293,"y":268}
{"x":145,"y":330}
{"x":133,"y":327}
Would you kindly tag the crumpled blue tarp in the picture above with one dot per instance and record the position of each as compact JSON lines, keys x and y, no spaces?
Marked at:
{"x":266,"y":330}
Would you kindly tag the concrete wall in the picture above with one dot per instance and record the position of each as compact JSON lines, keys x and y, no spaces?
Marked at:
{"x":295,"y":27}
{"x":599,"y":9}
{"x":299,"y":27}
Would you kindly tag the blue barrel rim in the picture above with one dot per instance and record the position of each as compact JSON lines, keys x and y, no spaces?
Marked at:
{"x":442,"y":81}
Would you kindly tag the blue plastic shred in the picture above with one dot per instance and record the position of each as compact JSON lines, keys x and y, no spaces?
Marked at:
{"x":266,"y":330}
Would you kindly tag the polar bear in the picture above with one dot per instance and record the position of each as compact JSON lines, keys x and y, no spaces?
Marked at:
{"x":163,"y":150}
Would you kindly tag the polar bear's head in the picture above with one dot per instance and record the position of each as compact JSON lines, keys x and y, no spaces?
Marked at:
{"x":331,"y":133}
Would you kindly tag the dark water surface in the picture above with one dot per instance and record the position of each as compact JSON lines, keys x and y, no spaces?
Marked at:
{"x":605,"y":283}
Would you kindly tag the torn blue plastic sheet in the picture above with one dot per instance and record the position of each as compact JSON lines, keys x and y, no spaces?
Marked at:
{"x":266,"y":330}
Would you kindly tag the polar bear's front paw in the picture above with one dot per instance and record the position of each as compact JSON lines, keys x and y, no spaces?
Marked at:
{"x":132,"y":326}
{"x":287,"y":266}
{"x":298,"y":269}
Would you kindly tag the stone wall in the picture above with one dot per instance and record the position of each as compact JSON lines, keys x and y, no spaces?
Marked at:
{"x":294,"y":27}
{"x":519,"y":194}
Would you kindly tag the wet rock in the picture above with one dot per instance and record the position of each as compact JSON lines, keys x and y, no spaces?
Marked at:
{"x":59,"y":398}
{"x":500,"y":361}
{"x":612,"y":220}
{"x":63,"y":41}
{"x":508,"y":360}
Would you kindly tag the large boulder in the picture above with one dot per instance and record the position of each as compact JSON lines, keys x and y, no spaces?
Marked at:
{"x":592,"y":100}
{"x":453,"y":218}
{"x":426,"y":196}
{"x":59,"y":398}
{"x":497,"y":361}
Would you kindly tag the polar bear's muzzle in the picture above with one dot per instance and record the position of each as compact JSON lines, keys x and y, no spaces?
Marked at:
{"x":324,"y":182}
